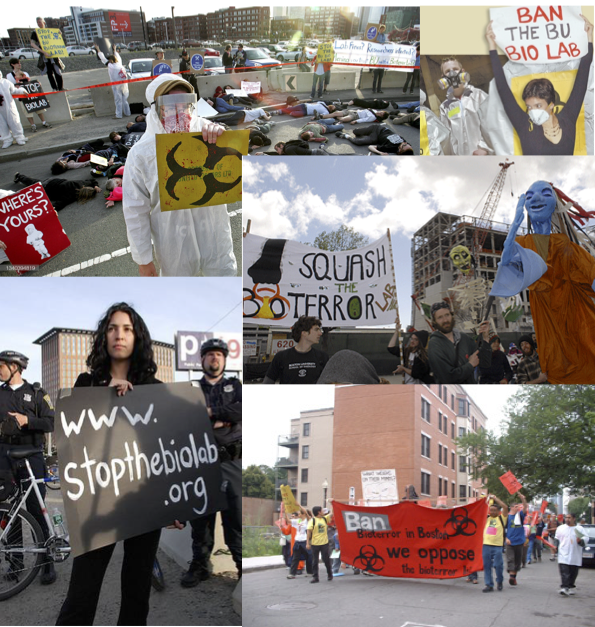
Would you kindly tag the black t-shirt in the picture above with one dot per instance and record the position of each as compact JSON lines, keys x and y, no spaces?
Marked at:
{"x":292,"y":367}
{"x":389,"y":141}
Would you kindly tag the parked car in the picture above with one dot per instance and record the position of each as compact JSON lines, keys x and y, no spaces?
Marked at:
{"x":214,"y":65}
{"x":137,"y":45}
{"x":25,"y":53}
{"x":256,"y":59}
{"x":210,"y":52}
{"x":75,"y":50}
{"x":122,"y":47}
{"x":139,"y":68}
{"x":589,"y":548}
{"x":293,"y":54}
{"x":274,"y":48}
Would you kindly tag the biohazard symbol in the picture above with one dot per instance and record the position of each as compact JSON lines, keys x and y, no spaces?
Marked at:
{"x":368,"y":559}
{"x":461,"y":523}
{"x":268,"y":303}
{"x":212,"y":185}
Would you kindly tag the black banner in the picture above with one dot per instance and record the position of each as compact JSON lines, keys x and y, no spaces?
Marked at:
{"x":38,"y":102}
{"x":105,"y":45}
{"x":134,"y":463}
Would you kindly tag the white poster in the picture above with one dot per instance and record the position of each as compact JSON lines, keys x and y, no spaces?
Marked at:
{"x":251,"y":87}
{"x":371,"y":53}
{"x":284,"y":280}
{"x":379,"y":487}
{"x":540,"y":34}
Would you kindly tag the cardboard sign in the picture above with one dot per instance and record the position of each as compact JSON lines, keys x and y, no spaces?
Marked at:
{"x":510,"y":482}
{"x":196,"y":61}
{"x":289,"y":501}
{"x":131,"y":464}
{"x":379,"y":487}
{"x":370,"y":53}
{"x":325,"y":53}
{"x":540,"y":34}
{"x":442,"y":501}
{"x":51,"y":42}
{"x":120,"y":22}
{"x":284,"y":279}
{"x":99,"y":160}
{"x":161,"y":67}
{"x":193,"y":173}
{"x":371,"y":32}
{"x":424,"y":142}
{"x":239,"y":93}
{"x":30,"y":227}
{"x":409,"y":541}
{"x":188,"y":343}
{"x":251,"y":87}
{"x":38,"y":102}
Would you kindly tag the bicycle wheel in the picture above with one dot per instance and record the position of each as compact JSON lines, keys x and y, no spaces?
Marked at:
{"x":53,"y":473}
{"x":157,"y":579}
{"x":20,"y":555}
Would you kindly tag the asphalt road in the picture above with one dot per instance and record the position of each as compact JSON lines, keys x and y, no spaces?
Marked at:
{"x":97,"y":235}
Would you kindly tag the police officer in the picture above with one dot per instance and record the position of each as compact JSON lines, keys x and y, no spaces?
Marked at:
{"x":26,"y":413}
{"x":224,"y":403}
{"x":186,"y":67}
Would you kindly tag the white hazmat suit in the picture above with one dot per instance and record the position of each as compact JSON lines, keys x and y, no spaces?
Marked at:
{"x":188,"y":242}
{"x":9,"y":115}
{"x":117,"y":73}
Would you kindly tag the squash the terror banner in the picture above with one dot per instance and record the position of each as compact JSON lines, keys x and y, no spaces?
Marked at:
{"x":284,"y":280}
{"x":411,"y":541}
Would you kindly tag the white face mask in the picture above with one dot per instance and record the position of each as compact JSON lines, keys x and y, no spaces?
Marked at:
{"x":539,"y":116}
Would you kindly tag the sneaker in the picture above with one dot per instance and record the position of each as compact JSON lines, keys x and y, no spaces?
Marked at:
{"x":564,"y":591}
{"x":195,"y":574}
{"x":34,"y":128}
{"x":571,"y":591}
{"x":500,"y":586}
{"x":512,"y":581}
{"x":47,"y":125}
{"x":290,"y":576}
{"x":379,"y":91}
{"x":313,"y":580}
{"x":488,"y":589}
{"x":552,"y":558}
{"x":48,"y":574}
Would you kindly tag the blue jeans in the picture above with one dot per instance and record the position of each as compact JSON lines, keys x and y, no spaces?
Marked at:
{"x":530,"y":550}
{"x":320,"y":79}
{"x":331,"y":125}
{"x":492,"y":556}
{"x":224,"y":107}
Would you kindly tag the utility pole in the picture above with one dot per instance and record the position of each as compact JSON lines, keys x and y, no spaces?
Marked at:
{"x":142,"y":21}
{"x":173,"y":19}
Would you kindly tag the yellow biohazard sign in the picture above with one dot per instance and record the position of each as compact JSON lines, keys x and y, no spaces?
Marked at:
{"x":325,"y":53}
{"x":563,"y":83}
{"x":51,"y":42}
{"x":289,"y":501}
{"x":193,"y":173}
{"x":424,"y":143}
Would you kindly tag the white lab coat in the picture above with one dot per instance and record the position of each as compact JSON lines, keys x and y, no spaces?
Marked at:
{"x":117,"y":73}
{"x":9,"y":115}
{"x":188,"y":242}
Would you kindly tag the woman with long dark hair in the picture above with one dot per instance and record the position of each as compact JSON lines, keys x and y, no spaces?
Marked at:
{"x":121,"y":357}
{"x":548,"y":126}
{"x":415,"y":366}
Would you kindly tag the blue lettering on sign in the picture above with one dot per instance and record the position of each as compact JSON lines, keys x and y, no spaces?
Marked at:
{"x":372,"y":32}
{"x":161,"y":68}
{"x":197,"y":62}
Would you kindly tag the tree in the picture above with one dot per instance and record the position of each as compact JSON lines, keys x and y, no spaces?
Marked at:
{"x":255,"y":483}
{"x":580,"y":507}
{"x":344,"y":238}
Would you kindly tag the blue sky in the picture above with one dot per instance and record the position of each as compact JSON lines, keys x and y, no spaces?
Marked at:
{"x":30,"y":307}
{"x":299,"y":197}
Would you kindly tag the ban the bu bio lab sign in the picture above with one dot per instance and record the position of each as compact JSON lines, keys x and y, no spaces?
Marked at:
{"x":134,"y":463}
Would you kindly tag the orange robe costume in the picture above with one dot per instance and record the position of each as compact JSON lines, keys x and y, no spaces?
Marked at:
{"x":563,"y":309}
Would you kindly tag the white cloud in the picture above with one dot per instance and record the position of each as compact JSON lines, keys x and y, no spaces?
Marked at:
{"x":277,"y":170}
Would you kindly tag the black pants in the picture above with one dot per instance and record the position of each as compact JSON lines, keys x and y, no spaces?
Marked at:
{"x":414,"y":78}
{"x":370,"y":104}
{"x":58,"y":205}
{"x":203,"y":529}
{"x":54,"y":78}
{"x":317,"y":550}
{"x":87,"y":575}
{"x":300,"y":553}
{"x":377,"y":80}
{"x":366,"y":135}
{"x":568,"y":573}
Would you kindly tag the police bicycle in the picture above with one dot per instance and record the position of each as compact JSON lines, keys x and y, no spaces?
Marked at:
{"x":23,"y":548}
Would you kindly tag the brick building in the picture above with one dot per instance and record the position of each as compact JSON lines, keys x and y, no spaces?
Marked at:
{"x":233,"y":23}
{"x":337,"y":22}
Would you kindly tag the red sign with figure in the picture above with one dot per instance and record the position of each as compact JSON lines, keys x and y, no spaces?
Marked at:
{"x":406,"y":540}
{"x":510,"y":482}
{"x":30,"y":227}
{"x":120,"y":22}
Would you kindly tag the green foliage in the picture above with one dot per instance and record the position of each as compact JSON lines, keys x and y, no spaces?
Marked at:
{"x":581,"y":508}
{"x":344,"y":238}
{"x":256,"y":483}
{"x":259,"y":541}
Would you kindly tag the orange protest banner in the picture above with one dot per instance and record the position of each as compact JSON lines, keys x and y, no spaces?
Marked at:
{"x":425,"y":503}
{"x":408,"y":541}
{"x":510,"y":482}
{"x":543,"y":506}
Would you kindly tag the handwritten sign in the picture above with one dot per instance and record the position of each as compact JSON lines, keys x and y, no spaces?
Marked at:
{"x":540,"y":34}
{"x":510,"y":482}
{"x":30,"y":227}
{"x":251,"y":87}
{"x":38,"y":102}
{"x":325,"y":53}
{"x":51,"y":42}
{"x":379,"y":487}
{"x":371,"y":53}
{"x":284,"y":279}
{"x":289,"y":501}
{"x":131,"y":464}
{"x":194,"y":174}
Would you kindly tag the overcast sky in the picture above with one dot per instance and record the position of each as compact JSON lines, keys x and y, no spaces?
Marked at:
{"x":291,"y":198}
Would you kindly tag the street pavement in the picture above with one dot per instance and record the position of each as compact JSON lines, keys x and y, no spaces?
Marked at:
{"x":270,"y":599}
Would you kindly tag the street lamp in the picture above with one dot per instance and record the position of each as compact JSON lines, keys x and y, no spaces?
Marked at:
{"x":325,"y":488}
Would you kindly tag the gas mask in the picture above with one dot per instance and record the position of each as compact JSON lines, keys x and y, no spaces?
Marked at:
{"x":175,"y":112}
{"x":454,"y":79}
{"x":538,"y":116}
{"x":461,"y":258}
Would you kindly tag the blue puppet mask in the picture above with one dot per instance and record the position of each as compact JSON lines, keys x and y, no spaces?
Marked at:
{"x":540,"y":202}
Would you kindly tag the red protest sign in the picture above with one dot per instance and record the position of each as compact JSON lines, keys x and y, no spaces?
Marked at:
{"x":406,"y":540}
{"x":510,"y":482}
{"x":30,"y":227}
{"x":543,"y":506}
{"x":425,"y":503}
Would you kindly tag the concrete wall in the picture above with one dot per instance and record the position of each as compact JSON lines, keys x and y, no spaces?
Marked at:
{"x":391,"y":78}
{"x":58,"y":112}
{"x":257,"y":512}
{"x":302,"y":81}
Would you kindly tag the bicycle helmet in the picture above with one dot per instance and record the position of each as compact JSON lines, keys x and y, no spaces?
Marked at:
{"x":214,"y":344}
{"x":13,"y":357}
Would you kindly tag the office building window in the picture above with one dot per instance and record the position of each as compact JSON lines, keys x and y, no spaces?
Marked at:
{"x":306,"y":430}
{"x":305,"y":452}
{"x":304,"y":499}
{"x":425,"y":483}
{"x":425,"y":410}
{"x":304,"y":475}
{"x":425,"y":446}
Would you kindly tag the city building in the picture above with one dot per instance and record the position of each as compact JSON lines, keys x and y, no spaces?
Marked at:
{"x":337,"y":22}
{"x":64,"y":355}
{"x":87,"y":23}
{"x":369,"y":15}
{"x":189,"y":28}
{"x":233,"y":23}
{"x":20,"y":37}
{"x":285,"y":27}
{"x":401,"y":18}
{"x":408,"y":428}
{"x":308,"y":459}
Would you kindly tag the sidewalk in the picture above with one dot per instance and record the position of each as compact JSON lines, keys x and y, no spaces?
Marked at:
{"x":252,"y":564}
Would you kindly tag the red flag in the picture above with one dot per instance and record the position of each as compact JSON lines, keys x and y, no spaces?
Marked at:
{"x":510,"y":482}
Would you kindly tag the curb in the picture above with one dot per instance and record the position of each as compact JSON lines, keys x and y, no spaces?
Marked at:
{"x":254,"y":569}
{"x":39,"y":152}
